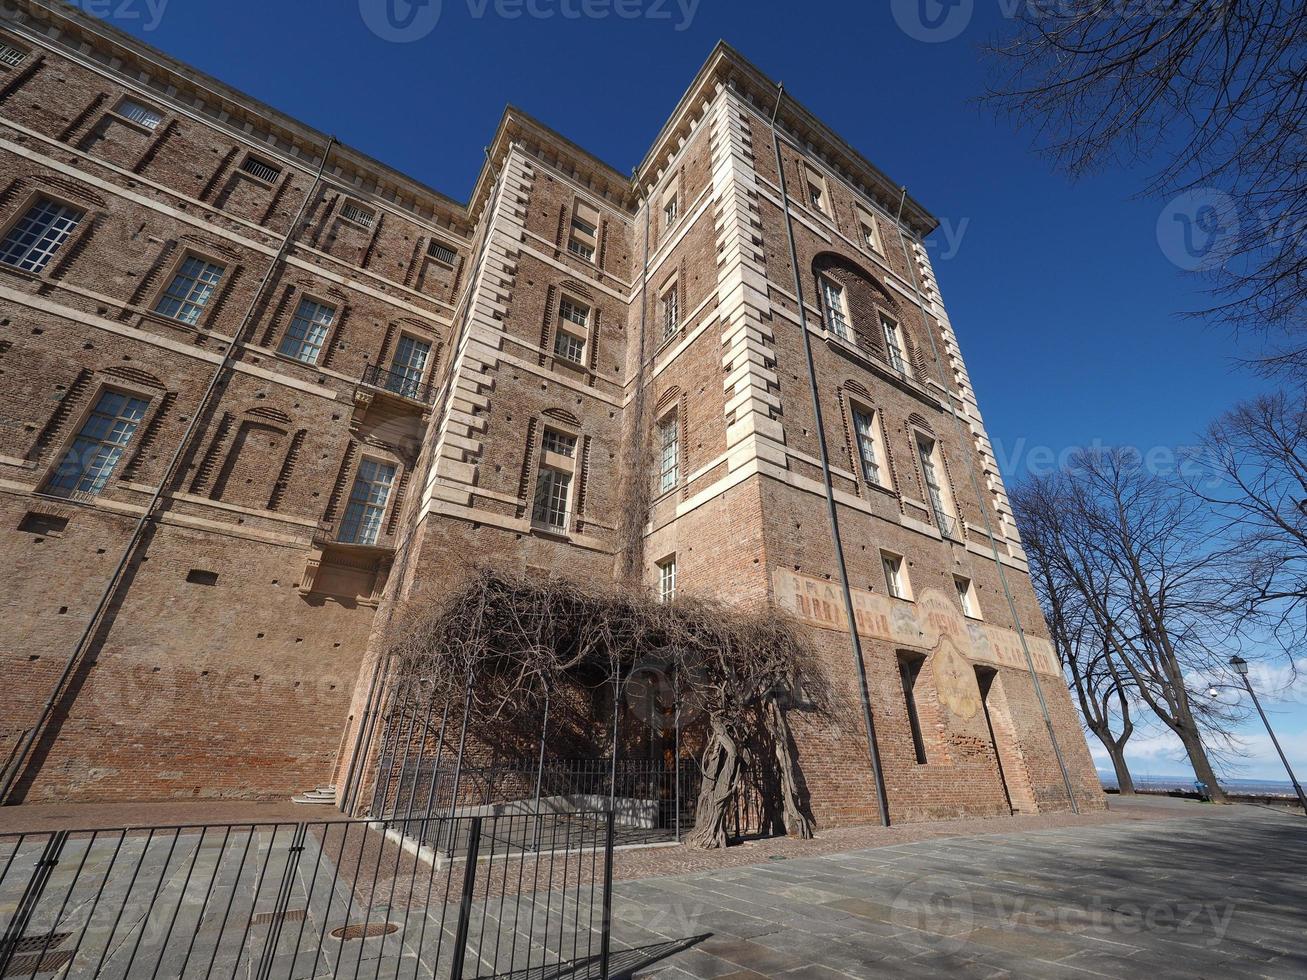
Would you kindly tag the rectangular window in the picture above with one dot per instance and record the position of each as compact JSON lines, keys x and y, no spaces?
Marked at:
{"x":38,"y":235}
{"x":864,"y":429}
{"x":667,"y":579}
{"x":670,"y":211}
{"x":930,"y":470}
{"x":357,"y":213}
{"x":553,"y":495}
{"x":10,"y":56}
{"x":260,"y":169}
{"x":832,"y":299}
{"x":896,"y":581}
{"x":584,"y":237}
{"x":816,"y":189}
{"x":894,"y":345}
{"x":408,"y":366}
{"x":578,"y":313}
{"x":308,"y":331}
{"x":140,"y":114}
{"x":669,"y":454}
{"x":558,"y":442}
{"x":367,"y":502}
{"x":909,"y":672}
{"x":967,"y":596}
{"x":441,"y":253}
{"x":99,"y":445}
{"x":191,"y":289}
{"x":569,"y":347}
{"x":671,"y":313}
{"x":868,"y":230}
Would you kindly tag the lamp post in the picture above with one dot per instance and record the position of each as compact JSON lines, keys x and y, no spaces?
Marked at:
{"x":1241,"y":668}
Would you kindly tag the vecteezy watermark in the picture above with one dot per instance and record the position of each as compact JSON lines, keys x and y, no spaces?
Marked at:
{"x":944,"y":912}
{"x":1199,"y":229}
{"x":933,"y":21}
{"x":148,"y":14}
{"x":949,"y":241}
{"x":405,"y":21}
{"x":1022,"y":458}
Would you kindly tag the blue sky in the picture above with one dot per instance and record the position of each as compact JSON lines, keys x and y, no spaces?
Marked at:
{"x":1063,"y":296}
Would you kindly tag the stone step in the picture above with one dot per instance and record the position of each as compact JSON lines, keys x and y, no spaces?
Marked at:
{"x":322,"y":796}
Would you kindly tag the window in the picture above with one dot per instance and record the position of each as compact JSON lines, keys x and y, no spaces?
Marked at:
{"x":669,"y":453}
{"x":191,"y":288}
{"x":967,"y":596}
{"x":367,"y":502}
{"x":870,"y":452}
{"x":408,"y":366}
{"x":816,"y":184}
{"x":38,"y":235}
{"x":557,"y":442}
{"x":140,"y":114}
{"x":442,"y":253}
{"x":578,"y":313}
{"x":584,"y":237}
{"x":308,"y":331}
{"x":260,"y":169}
{"x":868,"y":230}
{"x":670,"y":211}
{"x":896,"y":580}
{"x":894,"y":345}
{"x":11,"y":57}
{"x":667,"y":579}
{"x":671,"y":312}
{"x":99,"y":445}
{"x":832,"y":299}
{"x":909,"y":672}
{"x":553,"y":493}
{"x":569,"y":347}
{"x":928,"y":453}
{"x":357,"y":213}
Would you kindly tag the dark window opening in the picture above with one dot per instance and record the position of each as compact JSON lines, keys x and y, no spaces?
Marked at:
{"x":34,"y":523}
{"x":199,"y":576}
{"x":909,"y":671}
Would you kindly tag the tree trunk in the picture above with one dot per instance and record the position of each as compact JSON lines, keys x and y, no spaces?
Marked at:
{"x":796,"y":823}
{"x":1197,"y":752}
{"x":1124,"y":781}
{"x":721,"y":777}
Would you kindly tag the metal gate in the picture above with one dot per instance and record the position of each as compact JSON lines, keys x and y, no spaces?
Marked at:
{"x":467,"y":896}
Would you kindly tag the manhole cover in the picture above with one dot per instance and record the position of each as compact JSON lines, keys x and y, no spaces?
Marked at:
{"x":364,"y":930}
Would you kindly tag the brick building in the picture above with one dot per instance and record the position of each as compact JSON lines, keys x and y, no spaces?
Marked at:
{"x":256,"y":389}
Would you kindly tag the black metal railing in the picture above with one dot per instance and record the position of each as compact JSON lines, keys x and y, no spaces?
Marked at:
{"x":514,"y":894}
{"x":397,"y":383}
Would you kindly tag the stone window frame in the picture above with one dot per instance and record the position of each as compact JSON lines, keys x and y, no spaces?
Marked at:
{"x":911,"y":665}
{"x":670,"y":290}
{"x":297,"y":299}
{"x":568,"y":326}
{"x":165,"y":282}
{"x":153,"y":399}
{"x":968,"y":597}
{"x":264,"y":160}
{"x":428,"y":365}
{"x":359,"y":205}
{"x":916,"y":433}
{"x":570,"y":465}
{"x":880,"y":442}
{"x":13,"y":44}
{"x":815,"y":179}
{"x":671,"y":415}
{"x":586,"y":240}
{"x":29,"y":201}
{"x":873,"y":243}
{"x":671,"y":197}
{"x":825,"y":285}
{"x":117,"y":114}
{"x":374,"y":454}
{"x":884,"y":318}
{"x":904,"y":591}
{"x":667,"y":573}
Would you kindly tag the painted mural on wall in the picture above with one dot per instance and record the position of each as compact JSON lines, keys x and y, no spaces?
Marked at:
{"x":932,"y":622}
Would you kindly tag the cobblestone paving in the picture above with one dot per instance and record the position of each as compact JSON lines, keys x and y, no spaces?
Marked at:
{"x":1209,"y":892}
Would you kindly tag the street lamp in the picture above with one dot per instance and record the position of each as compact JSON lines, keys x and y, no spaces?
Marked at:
{"x":1241,"y":668}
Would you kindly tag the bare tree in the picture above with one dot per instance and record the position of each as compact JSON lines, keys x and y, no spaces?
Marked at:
{"x":1101,"y":688}
{"x":1254,"y":472}
{"x":1215,"y":91}
{"x":1139,"y":553}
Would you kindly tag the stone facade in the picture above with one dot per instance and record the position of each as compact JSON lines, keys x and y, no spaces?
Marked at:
{"x":377,"y":387}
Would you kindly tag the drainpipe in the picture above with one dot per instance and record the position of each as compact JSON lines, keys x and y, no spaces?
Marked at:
{"x":963,"y":438}
{"x":873,"y":749}
{"x":149,"y":515}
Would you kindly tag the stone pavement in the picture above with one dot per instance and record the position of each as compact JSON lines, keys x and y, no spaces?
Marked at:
{"x":1210,"y":892}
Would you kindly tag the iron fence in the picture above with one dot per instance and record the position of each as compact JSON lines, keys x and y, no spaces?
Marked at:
{"x":503,"y":895}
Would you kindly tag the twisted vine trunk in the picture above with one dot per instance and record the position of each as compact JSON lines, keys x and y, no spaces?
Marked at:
{"x":721,"y":778}
{"x":797,"y":824}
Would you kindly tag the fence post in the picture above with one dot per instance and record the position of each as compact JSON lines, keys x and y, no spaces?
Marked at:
{"x":465,"y":905}
{"x":282,"y":903}
{"x":606,"y":941}
{"x":31,"y":897}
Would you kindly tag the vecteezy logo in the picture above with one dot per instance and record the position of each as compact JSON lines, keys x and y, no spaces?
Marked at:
{"x":401,"y":21}
{"x":933,"y":21}
{"x":1199,"y":229}
{"x":939,"y":908}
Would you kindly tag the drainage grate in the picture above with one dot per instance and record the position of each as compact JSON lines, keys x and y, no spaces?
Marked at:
{"x":30,"y":964}
{"x":34,"y":944}
{"x":364,"y":930}
{"x":263,"y":918}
